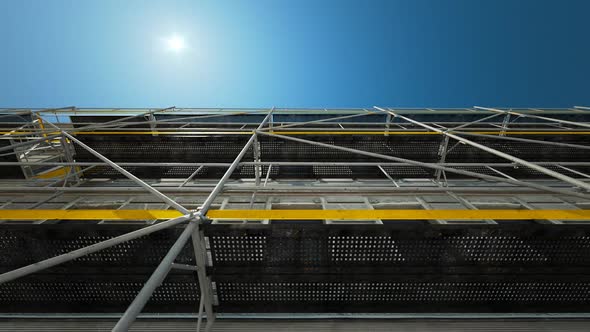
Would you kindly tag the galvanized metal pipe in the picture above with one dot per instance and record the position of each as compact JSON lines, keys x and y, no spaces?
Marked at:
{"x":154,"y":281}
{"x":319,"y":121}
{"x":434,"y":166}
{"x":185,"y":267}
{"x":526,"y":140}
{"x":135,"y":179}
{"x":579,"y":124}
{"x":207,"y":204}
{"x":473,"y":122}
{"x":191,"y":176}
{"x":118,"y":121}
{"x":345,"y":189}
{"x":204,"y":281}
{"x":198,"y":241}
{"x":160,"y":273}
{"x":574,"y":171}
{"x":123,"y":171}
{"x":31,"y":142}
{"x":523,"y":162}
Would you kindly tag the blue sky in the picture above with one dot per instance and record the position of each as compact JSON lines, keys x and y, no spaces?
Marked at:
{"x":424,"y":53}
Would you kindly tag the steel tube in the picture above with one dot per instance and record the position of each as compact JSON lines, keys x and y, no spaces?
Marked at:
{"x":200,"y":317}
{"x":231,"y":169}
{"x":208,"y":116}
{"x":44,"y":264}
{"x":191,"y":176}
{"x":523,"y":162}
{"x":319,"y":121}
{"x":434,"y":166}
{"x":526,"y":140}
{"x":119,"y":121}
{"x":154,"y":281}
{"x":204,"y":281}
{"x":123,"y":171}
{"x":165,"y":265}
{"x":286,"y":190}
{"x":185,"y":267}
{"x":579,"y":124}
{"x":162,"y":127}
{"x":473,"y":122}
{"x":107,"y":125}
{"x":31,"y":142}
{"x":574,"y":171}
{"x":198,"y":242}
{"x":135,"y":179}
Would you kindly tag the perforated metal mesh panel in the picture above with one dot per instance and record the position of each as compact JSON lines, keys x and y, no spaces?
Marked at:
{"x":25,"y":244}
{"x":313,"y":268}
{"x":412,"y":293}
{"x":401,"y":268}
{"x":162,"y":148}
{"x":424,"y":148}
{"x":105,"y":281}
{"x":526,"y":151}
{"x":352,"y":246}
{"x":96,"y":293}
{"x":418,"y":147}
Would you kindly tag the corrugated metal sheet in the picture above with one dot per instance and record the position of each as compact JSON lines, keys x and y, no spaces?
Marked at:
{"x":95,"y":325}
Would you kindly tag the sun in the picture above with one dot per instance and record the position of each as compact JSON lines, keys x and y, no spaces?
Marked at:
{"x":175,"y":43}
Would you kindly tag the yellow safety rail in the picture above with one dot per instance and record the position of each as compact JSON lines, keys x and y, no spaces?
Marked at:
{"x":300,"y":214}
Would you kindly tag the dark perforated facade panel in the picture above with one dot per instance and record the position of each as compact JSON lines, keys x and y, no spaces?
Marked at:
{"x":401,"y":268}
{"x":505,"y":268}
{"x":103,"y":282}
{"x":417,"y":147}
{"x":99,"y":292}
{"x":513,"y":245}
{"x":403,"y":293}
{"x":26,"y":244}
{"x":224,"y":149}
{"x":162,"y":148}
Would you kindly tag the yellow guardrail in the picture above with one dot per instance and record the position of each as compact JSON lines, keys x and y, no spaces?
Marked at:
{"x":300,"y":214}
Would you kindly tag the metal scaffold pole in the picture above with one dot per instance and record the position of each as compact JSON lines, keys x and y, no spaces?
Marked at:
{"x":538,"y":168}
{"x":155,"y":280}
{"x":434,"y":166}
{"x":191,"y":230}
{"x":224,"y":187}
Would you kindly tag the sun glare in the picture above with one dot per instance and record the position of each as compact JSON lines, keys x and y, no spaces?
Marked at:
{"x":175,"y":43}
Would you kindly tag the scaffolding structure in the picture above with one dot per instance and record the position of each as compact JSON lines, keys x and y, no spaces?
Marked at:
{"x":268,"y":207}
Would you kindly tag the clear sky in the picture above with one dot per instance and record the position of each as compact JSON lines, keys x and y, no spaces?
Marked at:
{"x":295,"y":53}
